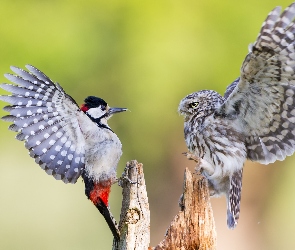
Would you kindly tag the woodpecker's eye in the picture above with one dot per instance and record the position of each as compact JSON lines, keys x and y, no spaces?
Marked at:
{"x":194,"y":105}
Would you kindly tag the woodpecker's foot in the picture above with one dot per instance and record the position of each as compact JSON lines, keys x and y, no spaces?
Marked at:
{"x":125,"y":177}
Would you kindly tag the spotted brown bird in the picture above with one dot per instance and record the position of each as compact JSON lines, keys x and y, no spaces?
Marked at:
{"x":255,"y":119}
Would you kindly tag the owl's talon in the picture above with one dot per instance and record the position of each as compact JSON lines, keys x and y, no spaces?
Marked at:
{"x":191,"y":157}
{"x":198,"y":169}
{"x":204,"y":167}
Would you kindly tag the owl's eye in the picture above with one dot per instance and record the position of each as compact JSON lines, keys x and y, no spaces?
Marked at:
{"x":194,"y":105}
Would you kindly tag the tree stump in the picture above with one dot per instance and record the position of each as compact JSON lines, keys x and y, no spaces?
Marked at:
{"x":192,"y":228}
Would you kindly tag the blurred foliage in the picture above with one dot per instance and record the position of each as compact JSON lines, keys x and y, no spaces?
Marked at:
{"x":143,"y":55}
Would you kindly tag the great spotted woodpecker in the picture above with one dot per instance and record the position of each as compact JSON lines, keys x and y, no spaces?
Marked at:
{"x":65,"y":140}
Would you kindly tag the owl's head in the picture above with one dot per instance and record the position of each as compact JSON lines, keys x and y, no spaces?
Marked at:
{"x":200,"y":104}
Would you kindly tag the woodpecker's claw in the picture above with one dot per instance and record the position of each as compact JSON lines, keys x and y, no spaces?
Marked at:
{"x":125,"y":177}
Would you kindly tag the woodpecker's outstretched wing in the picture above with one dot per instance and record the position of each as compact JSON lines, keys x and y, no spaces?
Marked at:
{"x":263,"y":102}
{"x":46,"y":119}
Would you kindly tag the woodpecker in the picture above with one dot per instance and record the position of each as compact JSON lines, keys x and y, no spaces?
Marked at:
{"x":65,"y":140}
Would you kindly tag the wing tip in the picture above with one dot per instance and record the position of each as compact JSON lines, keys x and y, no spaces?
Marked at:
{"x":8,"y":118}
{"x":31,"y":67}
{"x":14,"y":68}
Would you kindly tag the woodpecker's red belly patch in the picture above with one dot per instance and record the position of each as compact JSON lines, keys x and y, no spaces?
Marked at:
{"x":100,"y":192}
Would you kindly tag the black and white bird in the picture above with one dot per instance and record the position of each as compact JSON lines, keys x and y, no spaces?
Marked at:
{"x":65,"y":140}
{"x":254,"y":120}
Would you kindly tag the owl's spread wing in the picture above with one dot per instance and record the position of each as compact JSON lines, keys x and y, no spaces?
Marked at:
{"x":45,"y":117}
{"x":230,"y":88}
{"x":263,"y":101}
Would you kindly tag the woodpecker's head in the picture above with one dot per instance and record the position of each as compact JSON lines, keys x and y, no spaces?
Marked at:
{"x":98,"y":110}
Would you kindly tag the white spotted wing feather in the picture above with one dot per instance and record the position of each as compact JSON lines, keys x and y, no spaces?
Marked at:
{"x":46,"y":118}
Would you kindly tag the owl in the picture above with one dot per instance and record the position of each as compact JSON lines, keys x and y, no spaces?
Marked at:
{"x":255,"y":119}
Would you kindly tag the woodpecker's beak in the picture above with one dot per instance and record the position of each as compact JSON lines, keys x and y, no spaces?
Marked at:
{"x":116,"y":110}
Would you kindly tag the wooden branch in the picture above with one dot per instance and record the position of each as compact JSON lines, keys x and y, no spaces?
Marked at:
{"x":134,"y":223}
{"x":193,"y":227}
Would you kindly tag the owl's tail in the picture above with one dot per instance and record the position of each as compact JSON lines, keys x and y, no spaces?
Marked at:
{"x":234,"y":199}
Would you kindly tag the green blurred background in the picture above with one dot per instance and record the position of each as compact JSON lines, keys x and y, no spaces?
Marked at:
{"x":146,"y":56}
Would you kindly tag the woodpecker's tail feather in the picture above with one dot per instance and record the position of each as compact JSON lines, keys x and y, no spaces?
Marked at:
{"x":93,"y":192}
{"x":109,"y":218}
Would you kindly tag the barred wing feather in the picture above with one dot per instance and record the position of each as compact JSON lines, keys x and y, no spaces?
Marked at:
{"x":263,"y":100}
